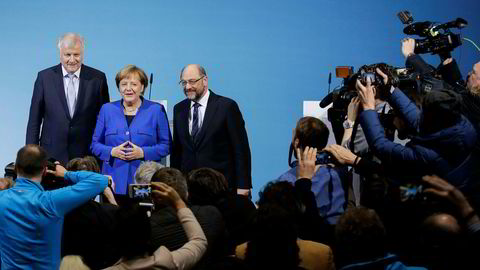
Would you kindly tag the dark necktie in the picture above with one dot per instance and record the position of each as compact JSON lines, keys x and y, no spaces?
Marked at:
{"x":195,"y":120}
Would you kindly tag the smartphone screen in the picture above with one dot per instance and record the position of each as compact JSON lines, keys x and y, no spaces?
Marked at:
{"x":139,"y":191}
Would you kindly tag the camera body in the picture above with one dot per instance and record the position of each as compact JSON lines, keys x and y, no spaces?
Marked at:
{"x":438,"y":39}
{"x":322,"y":158}
{"x":342,"y":96}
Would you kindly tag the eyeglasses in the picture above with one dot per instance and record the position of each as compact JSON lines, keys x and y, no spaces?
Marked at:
{"x":191,"y":82}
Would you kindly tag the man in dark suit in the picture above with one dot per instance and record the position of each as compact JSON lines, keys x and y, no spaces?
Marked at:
{"x":209,"y":131}
{"x":65,"y":103}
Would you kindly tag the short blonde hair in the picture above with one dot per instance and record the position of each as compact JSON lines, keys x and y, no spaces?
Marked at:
{"x":132,"y":70}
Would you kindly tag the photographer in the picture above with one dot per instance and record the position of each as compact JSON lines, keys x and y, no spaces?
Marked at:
{"x":354,"y":139}
{"x":443,"y":247}
{"x":31,"y":218}
{"x":450,"y":73}
{"x":135,"y":246}
{"x":442,"y":137}
{"x":328,"y":182}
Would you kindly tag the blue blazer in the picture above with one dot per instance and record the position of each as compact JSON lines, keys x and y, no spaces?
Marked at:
{"x":148,"y":130}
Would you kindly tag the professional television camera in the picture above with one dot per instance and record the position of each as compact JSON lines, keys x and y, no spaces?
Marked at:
{"x":438,"y":37}
{"x":341,"y":97}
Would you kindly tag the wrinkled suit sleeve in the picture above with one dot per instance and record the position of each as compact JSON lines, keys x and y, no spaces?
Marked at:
{"x":37,"y":110}
{"x":240,"y":145}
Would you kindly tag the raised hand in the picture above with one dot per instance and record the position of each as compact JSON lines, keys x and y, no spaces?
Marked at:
{"x":165,"y":194}
{"x":306,"y":162}
{"x":341,"y":154}
{"x":408,"y":46}
{"x":366,"y":94}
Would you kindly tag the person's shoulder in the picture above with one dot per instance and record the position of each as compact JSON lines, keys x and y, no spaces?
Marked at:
{"x":244,"y":203}
{"x":290,"y":175}
{"x":112,"y":104}
{"x":92,"y":71}
{"x":50,"y":70}
{"x":181,"y":104}
{"x":221,"y":98}
{"x":163,"y":215}
{"x":152,"y":105}
{"x":312,"y":245}
{"x":205,"y":211}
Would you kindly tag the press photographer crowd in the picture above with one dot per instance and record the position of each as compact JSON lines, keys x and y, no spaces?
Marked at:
{"x":400,"y":189}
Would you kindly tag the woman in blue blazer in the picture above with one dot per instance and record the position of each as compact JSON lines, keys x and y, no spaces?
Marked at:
{"x":130,"y":130}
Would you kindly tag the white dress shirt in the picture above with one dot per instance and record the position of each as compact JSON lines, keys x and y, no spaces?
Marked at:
{"x":201,"y":111}
{"x":76,"y":81}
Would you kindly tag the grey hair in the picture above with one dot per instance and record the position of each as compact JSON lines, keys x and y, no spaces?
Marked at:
{"x":146,"y":170}
{"x":66,"y":39}
{"x":200,"y":69}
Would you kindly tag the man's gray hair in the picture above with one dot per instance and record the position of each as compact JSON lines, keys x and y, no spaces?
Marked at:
{"x":69,"y":40}
{"x":144,"y":172}
{"x":200,"y":69}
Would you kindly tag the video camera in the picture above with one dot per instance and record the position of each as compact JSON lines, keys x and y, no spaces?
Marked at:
{"x":438,"y":37}
{"x":341,"y":97}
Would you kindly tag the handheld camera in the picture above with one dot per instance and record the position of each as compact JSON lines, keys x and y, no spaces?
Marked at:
{"x":438,"y":39}
{"x":139,"y":191}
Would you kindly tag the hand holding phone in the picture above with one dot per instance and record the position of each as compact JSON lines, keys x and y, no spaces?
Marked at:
{"x":165,"y":194}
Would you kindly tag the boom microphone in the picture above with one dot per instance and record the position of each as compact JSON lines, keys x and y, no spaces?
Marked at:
{"x":327,"y":100}
{"x":151,"y":82}
{"x":329,"y":81}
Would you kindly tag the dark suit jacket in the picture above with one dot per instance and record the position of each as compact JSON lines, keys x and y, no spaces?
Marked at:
{"x":62,"y":137}
{"x":221,"y":143}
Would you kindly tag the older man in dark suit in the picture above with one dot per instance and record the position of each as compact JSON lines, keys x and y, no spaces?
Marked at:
{"x":209,"y":131}
{"x":65,"y":103}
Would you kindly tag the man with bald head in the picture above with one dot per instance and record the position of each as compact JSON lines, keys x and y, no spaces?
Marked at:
{"x":209,"y":131}
{"x":65,"y":102}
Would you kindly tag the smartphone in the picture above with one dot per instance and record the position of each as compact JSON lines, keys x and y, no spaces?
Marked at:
{"x":139,"y":191}
{"x":411,"y":192}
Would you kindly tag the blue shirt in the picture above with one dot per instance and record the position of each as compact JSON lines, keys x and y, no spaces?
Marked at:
{"x":328,"y":190}
{"x":31,"y":219}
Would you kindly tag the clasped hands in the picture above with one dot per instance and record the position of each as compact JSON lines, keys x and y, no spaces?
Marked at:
{"x":127,"y":151}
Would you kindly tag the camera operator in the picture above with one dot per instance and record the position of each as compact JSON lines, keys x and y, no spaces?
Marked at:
{"x":354,"y":139}
{"x":470,"y":103}
{"x":450,"y":74}
{"x":31,"y":218}
{"x":441,"y":141}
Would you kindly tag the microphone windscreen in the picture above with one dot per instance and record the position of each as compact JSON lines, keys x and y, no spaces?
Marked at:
{"x":326,"y":100}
